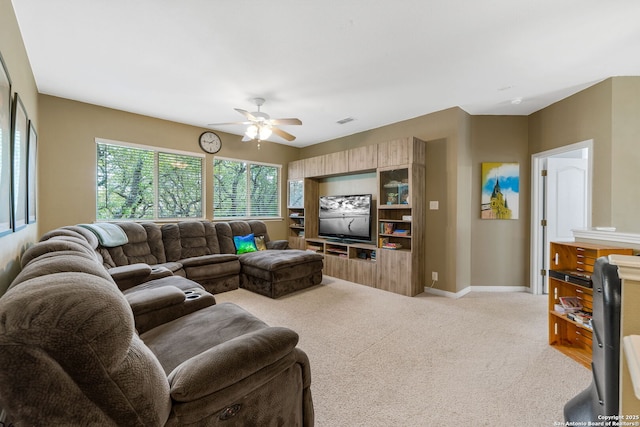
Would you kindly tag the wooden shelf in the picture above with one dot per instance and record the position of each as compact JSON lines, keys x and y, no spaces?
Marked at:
{"x":566,"y":335}
{"x":563,"y":316}
{"x":578,"y":354}
{"x":396,"y":206}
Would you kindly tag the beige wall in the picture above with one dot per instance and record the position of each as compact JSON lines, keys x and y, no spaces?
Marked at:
{"x":583,"y":116}
{"x":500,"y":248}
{"x":625,"y":155}
{"x":68,"y":177}
{"x":15,"y":58}
{"x":607,"y":113}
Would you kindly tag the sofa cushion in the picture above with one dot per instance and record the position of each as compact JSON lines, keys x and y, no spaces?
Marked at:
{"x":225,"y":237}
{"x":73,"y":262}
{"x":189,"y":239}
{"x":180,"y":340}
{"x":244,"y":244}
{"x":145,"y":245}
{"x":230,"y":362}
{"x":240,"y":228}
{"x":53,"y":245}
{"x":70,"y":233}
{"x":277,"y":260}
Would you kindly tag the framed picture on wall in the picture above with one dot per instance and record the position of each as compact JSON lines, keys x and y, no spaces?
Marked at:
{"x":500,"y":196}
{"x":20,"y":132}
{"x":6,"y":225}
{"x":31,"y":173}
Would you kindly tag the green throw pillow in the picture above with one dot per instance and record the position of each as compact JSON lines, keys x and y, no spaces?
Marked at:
{"x":244,"y":244}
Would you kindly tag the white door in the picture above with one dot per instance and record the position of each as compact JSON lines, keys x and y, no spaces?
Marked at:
{"x":567,"y":201}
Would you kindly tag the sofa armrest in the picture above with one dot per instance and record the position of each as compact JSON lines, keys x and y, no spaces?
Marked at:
{"x":229,"y":362}
{"x":147,"y":300}
{"x":278,"y":244}
{"x":127,"y":276}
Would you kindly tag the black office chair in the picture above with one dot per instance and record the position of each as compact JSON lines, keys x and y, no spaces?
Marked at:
{"x":602,"y":397}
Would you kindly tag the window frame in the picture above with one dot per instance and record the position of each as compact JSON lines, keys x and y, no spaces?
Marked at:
{"x":156,"y":190}
{"x":277,"y":217}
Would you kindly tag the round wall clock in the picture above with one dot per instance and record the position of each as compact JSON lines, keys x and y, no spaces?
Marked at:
{"x":210,"y":142}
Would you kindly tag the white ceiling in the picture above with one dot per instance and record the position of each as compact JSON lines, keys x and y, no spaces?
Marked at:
{"x":380,"y":62}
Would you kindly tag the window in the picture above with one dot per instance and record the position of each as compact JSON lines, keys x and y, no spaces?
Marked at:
{"x":244,"y":189}
{"x":143,"y":183}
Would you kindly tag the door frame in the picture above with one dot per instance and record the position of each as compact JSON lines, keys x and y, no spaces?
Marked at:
{"x":538,"y":201}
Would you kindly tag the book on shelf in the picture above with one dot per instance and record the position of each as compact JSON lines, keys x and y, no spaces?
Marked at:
{"x":398,"y":232}
{"x":570,"y":304}
{"x":581,"y":317}
{"x":392,"y":246}
{"x":387,"y":227}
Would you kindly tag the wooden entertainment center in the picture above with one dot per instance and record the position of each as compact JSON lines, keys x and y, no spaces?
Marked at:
{"x":395,"y":259}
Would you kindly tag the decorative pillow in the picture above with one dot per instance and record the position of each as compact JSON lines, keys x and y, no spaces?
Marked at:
{"x":260,"y":243}
{"x":244,"y":244}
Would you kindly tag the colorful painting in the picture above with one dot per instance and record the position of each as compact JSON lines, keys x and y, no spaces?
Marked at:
{"x":500,"y":197}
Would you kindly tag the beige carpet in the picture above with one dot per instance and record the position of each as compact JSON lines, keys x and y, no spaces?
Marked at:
{"x":381,"y":359}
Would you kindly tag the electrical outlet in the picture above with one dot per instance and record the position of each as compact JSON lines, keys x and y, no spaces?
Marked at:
{"x":434,"y":275}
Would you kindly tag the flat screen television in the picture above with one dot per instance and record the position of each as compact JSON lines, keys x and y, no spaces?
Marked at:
{"x":345,"y":217}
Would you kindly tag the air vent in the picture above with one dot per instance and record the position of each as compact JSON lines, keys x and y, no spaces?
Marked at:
{"x":345,"y":120}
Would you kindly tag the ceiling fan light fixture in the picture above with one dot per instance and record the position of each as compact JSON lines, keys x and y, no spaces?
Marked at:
{"x":252,"y":131}
{"x":265,"y":132}
{"x":261,"y":126}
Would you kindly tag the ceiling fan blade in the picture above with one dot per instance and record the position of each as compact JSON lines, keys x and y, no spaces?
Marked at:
{"x":283,"y":134}
{"x":229,"y":123}
{"x":247,"y":114}
{"x":286,"y":121}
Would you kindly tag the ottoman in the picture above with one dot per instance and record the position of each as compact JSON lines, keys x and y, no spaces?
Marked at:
{"x":275,"y":273}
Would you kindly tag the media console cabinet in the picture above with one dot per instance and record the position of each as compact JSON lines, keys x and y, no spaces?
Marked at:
{"x":395,"y":260}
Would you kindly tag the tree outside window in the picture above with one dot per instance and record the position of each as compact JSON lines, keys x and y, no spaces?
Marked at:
{"x":146,"y":184}
{"x":243,"y":189}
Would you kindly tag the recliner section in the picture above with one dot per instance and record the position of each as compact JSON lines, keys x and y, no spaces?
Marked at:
{"x":159,"y":352}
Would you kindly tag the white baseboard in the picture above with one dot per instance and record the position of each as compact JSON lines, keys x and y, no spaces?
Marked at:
{"x":500,"y":289}
{"x":468,"y":289}
{"x":447,"y":294}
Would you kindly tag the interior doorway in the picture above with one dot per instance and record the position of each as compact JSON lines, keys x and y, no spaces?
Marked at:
{"x":560,"y":202}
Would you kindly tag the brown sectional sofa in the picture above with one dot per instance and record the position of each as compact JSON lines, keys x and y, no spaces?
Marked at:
{"x":77,"y":350}
{"x":205,"y":252}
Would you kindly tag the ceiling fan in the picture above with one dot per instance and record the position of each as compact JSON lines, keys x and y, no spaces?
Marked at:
{"x":261,"y":125}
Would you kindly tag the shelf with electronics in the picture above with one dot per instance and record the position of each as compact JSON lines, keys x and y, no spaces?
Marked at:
{"x":394,"y":260}
{"x":571,"y":266}
{"x":355,"y":262}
